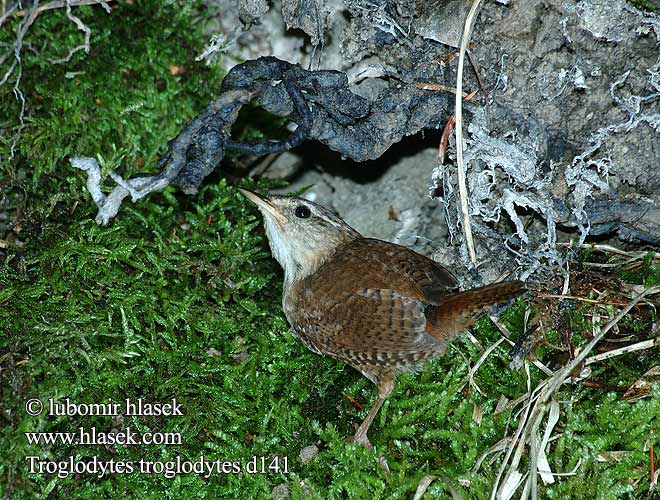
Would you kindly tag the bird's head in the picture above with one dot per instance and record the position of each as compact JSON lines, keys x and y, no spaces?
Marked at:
{"x":302,"y":235}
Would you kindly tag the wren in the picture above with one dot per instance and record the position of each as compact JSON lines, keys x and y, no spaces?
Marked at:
{"x":380,"y":307}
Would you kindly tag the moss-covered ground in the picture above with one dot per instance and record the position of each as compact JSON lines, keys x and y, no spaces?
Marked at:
{"x":179,"y":298}
{"x":649,"y":5}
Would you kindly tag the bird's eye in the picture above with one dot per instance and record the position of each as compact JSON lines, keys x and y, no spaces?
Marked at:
{"x":303,"y":211}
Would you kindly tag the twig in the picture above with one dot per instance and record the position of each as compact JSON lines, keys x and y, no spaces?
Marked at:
{"x":639,"y":346}
{"x":7,"y":13}
{"x":440,"y":87}
{"x":476,"y":73}
{"x":599,"y":385}
{"x":444,"y":139}
{"x":17,"y":64}
{"x":581,"y":299}
{"x":62,"y":3}
{"x":352,"y":400}
{"x":462,"y":188}
{"x":567,"y":297}
{"x":82,"y":27}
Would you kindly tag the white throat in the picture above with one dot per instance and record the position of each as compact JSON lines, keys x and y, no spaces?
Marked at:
{"x":281,"y":250}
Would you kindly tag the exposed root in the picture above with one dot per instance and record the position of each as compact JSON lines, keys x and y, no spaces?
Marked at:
{"x":12,"y":55}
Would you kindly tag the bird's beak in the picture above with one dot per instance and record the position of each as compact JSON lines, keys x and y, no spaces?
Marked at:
{"x":264,"y":205}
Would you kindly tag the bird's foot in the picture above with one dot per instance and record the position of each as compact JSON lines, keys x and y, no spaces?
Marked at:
{"x":361,"y":438}
{"x":382,"y":461}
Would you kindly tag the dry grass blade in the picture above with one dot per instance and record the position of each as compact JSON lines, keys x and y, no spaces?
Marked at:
{"x":426,"y":481}
{"x":564,"y":373}
{"x":639,"y":346}
{"x":500,"y":446}
{"x":519,"y":444}
{"x":643,"y":387}
{"x":543,"y":464}
{"x":528,"y":430}
{"x":632,"y":258}
{"x":507,"y":336}
{"x":481,"y":359}
{"x":462,"y":187}
{"x":423,"y":485}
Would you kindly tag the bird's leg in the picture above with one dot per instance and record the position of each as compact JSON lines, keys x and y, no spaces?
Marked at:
{"x":385,"y":387}
{"x":361,"y":434}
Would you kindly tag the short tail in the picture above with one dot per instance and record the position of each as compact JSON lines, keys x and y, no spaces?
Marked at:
{"x":460,"y":310}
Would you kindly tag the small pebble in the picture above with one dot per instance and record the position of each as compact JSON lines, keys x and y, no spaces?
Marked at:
{"x":307,"y":453}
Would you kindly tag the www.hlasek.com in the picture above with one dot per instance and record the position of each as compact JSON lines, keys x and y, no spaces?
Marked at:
{"x":94,"y":437}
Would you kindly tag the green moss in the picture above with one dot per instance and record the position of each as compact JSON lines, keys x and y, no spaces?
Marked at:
{"x":122,"y":103}
{"x":132,"y":311}
{"x":650,"y":5}
{"x":648,"y":274}
{"x":591,"y":430}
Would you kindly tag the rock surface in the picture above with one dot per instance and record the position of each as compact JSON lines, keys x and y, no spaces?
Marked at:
{"x":567,"y":133}
{"x":390,"y":203}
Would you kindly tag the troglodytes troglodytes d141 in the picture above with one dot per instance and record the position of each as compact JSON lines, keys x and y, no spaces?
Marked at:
{"x":380,"y":307}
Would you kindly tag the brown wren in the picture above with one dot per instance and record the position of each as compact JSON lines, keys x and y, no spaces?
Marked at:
{"x":380,"y":307}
